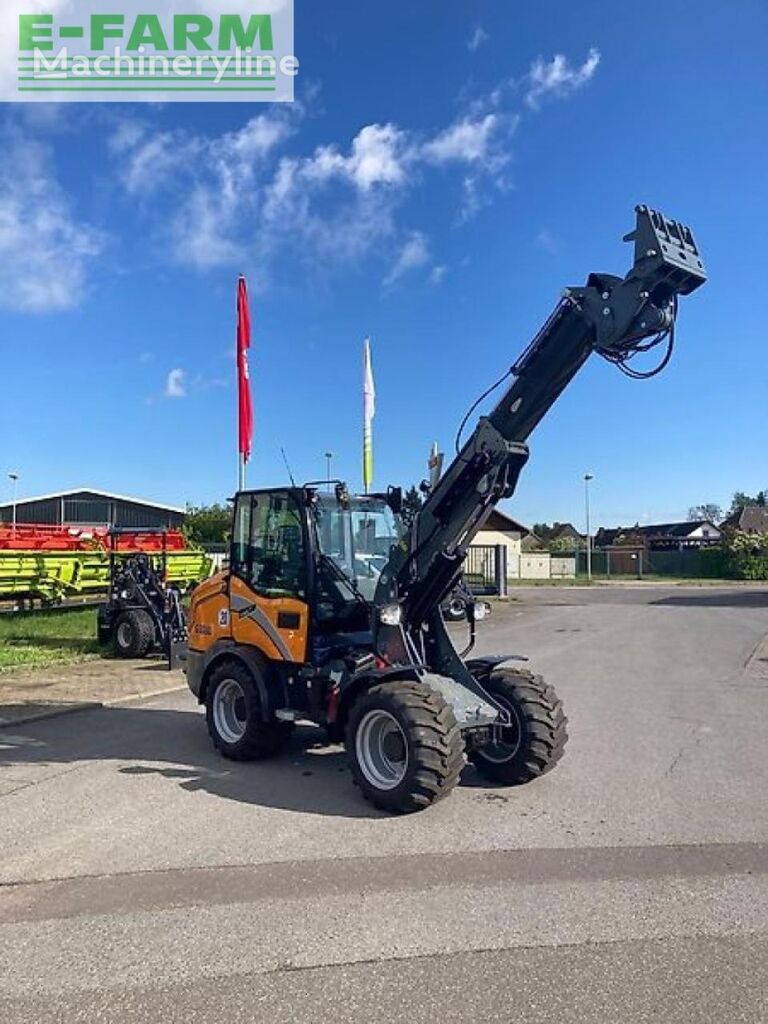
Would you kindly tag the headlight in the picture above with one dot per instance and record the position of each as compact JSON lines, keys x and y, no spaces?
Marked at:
{"x":390,"y":614}
{"x":482,"y":610}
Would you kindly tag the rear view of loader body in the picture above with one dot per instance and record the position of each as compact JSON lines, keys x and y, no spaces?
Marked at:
{"x":327,"y":613}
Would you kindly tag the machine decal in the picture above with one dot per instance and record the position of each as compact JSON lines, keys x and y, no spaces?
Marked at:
{"x":224,"y":617}
{"x":248,"y":610}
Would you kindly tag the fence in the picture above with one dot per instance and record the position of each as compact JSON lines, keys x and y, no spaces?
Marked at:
{"x":485,"y":569}
{"x":637,"y":562}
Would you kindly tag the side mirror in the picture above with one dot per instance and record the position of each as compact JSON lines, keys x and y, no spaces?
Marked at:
{"x":395,"y":499}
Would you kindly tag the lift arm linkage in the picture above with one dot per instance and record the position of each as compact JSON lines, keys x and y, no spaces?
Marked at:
{"x":616,"y":317}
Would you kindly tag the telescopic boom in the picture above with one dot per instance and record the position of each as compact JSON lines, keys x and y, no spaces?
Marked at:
{"x":613,"y":316}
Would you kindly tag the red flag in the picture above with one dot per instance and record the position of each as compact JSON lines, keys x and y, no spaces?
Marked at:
{"x":244,"y":405}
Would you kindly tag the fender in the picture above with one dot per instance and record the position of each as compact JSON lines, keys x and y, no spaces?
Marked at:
{"x":482,"y":667}
{"x":470,"y":709}
{"x":355,"y":685}
{"x":200,"y":667}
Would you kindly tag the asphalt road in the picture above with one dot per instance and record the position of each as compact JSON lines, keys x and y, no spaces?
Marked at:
{"x":143,"y":879}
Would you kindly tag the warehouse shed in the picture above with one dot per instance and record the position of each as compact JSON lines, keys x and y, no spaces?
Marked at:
{"x":91,"y":507}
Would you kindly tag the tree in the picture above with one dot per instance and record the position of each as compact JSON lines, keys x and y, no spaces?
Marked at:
{"x":548,"y":535}
{"x":558,"y":545}
{"x":711,"y":512}
{"x":208,"y":524}
{"x":412,"y":502}
{"x":544,"y":531}
{"x":741,"y":500}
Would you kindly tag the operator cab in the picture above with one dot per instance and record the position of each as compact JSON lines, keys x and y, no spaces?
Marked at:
{"x":356,"y":535}
{"x":352,"y":537}
{"x":322,"y":551}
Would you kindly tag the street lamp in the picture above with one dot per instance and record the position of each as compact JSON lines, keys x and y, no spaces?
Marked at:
{"x":14,"y":478}
{"x":587,"y":478}
{"x":329,"y":457}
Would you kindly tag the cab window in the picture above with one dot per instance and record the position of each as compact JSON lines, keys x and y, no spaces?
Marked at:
{"x":268,"y":544}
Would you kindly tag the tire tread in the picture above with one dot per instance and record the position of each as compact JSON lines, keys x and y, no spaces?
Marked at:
{"x":544,"y":722}
{"x":435,"y":741}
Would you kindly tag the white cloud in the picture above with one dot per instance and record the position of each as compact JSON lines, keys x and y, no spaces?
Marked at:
{"x":202,"y":229}
{"x":413,"y":254}
{"x":466,"y":141}
{"x":149,"y":162}
{"x":217,"y":178}
{"x":343,"y":204}
{"x":472,"y":200}
{"x":556,"y":78}
{"x":378,"y":156}
{"x":437,"y":274}
{"x":547,"y":241}
{"x":44,"y":250}
{"x":226,"y":197}
{"x":175,"y":385}
{"x":476,"y":40}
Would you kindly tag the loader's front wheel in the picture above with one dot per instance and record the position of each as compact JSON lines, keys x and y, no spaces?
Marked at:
{"x":535,"y":738}
{"x":404,"y":745}
{"x":234,"y":718}
{"x":134,"y":634}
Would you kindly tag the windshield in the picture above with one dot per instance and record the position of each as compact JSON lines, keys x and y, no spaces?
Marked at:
{"x":357,"y":538}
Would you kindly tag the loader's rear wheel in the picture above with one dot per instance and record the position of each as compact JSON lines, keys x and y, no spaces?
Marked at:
{"x":234,"y":716}
{"x":534,"y":741}
{"x":404,"y":745}
{"x":134,"y":634}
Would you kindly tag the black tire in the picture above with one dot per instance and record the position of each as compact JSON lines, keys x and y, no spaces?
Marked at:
{"x":134,"y":634}
{"x":535,"y":741}
{"x":430,"y":754}
{"x":241,"y":735}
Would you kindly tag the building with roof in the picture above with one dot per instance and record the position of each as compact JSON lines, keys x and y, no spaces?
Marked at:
{"x":566,"y":533}
{"x":526,"y":558}
{"x":748,"y":519}
{"x":499,"y":528}
{"x":696,"y":533}
{"x":91,"y":507}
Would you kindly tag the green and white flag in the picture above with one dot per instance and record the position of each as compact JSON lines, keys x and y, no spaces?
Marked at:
{"x":369,"y":409}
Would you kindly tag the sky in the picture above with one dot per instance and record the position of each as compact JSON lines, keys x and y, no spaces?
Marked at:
{"x":446,"y":169}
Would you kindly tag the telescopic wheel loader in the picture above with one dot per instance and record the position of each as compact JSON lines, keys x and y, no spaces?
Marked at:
{"x":326,"y":613}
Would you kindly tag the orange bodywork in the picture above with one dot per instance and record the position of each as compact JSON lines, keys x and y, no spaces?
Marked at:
{"x":225,"y":608}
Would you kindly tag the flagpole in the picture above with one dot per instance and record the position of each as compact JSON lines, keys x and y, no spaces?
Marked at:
{"x":244,"y":401}
{"x":240,"y":459}
{"x":240,"y":463}
{"x":369,"y":407}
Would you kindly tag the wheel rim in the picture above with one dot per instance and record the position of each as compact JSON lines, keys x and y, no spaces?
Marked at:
{"x":507,"y":738}
{"x":457,"y":608}
{"x":124,"y":634}
{"x":381,"y":749}
{"x":229,"y":712}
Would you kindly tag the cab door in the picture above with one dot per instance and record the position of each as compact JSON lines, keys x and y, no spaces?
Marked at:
{"x":269,"y":575}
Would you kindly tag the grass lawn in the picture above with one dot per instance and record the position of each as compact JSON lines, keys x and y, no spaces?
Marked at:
{"x":47,"y":638}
